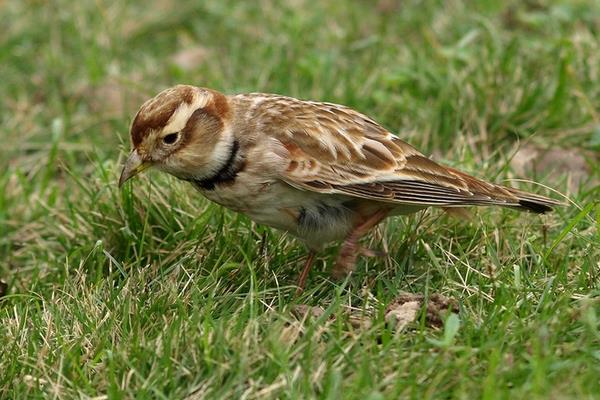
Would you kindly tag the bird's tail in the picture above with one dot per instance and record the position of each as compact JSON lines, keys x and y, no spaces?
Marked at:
{"x":486,"y":193}
{"x":533,"y":202}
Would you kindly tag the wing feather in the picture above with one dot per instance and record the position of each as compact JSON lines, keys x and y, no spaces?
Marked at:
{"x":333,"y":149}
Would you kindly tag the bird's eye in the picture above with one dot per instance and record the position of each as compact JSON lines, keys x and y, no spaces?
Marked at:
{"x":171,"y":138}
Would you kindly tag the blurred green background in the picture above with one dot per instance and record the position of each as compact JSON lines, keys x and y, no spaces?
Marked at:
{"x":153,"y":292}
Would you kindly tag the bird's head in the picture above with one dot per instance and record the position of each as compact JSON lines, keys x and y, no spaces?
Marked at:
{"x":183,"y":131}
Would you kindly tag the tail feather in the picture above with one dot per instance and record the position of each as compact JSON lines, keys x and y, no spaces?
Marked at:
{"x":534,"y":202}
{"x":468,"y":191}
{"x":506,"y":196}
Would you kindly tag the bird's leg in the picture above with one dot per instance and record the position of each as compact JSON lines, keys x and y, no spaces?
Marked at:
{"x":310,"y":260}
{"x":350,"y":249}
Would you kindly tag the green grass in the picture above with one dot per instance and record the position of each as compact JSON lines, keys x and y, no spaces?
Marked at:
{"x":152,"y":292}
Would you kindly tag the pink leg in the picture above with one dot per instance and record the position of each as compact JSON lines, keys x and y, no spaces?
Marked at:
{"x":304,"y":274}
{"x":350,"y":249}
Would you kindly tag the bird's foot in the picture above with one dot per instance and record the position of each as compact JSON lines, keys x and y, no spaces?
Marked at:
{"x":346,"y":260}
{"x":347,"y":257}
{"x":365,"y":251}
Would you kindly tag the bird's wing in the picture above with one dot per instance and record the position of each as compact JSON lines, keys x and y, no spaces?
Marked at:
{"x":333,"y":149}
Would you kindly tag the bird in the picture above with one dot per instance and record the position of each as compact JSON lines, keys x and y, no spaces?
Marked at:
{"x":320,"y":171}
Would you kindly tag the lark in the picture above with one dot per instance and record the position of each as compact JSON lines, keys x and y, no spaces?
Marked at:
{"x":319,"y":171}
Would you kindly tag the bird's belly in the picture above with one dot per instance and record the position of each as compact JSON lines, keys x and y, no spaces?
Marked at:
{"x":315,"y":218}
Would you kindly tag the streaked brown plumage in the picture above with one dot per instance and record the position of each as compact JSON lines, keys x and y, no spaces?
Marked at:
{"x":321,"y":171}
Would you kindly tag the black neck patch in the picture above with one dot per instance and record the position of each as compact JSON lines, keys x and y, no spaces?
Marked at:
{"x":226,"y":174}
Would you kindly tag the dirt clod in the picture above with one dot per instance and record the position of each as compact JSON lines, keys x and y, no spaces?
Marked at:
{"x":405,"y":309}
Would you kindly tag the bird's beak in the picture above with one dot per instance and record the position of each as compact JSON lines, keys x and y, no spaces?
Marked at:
{"x":133,"y":166}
